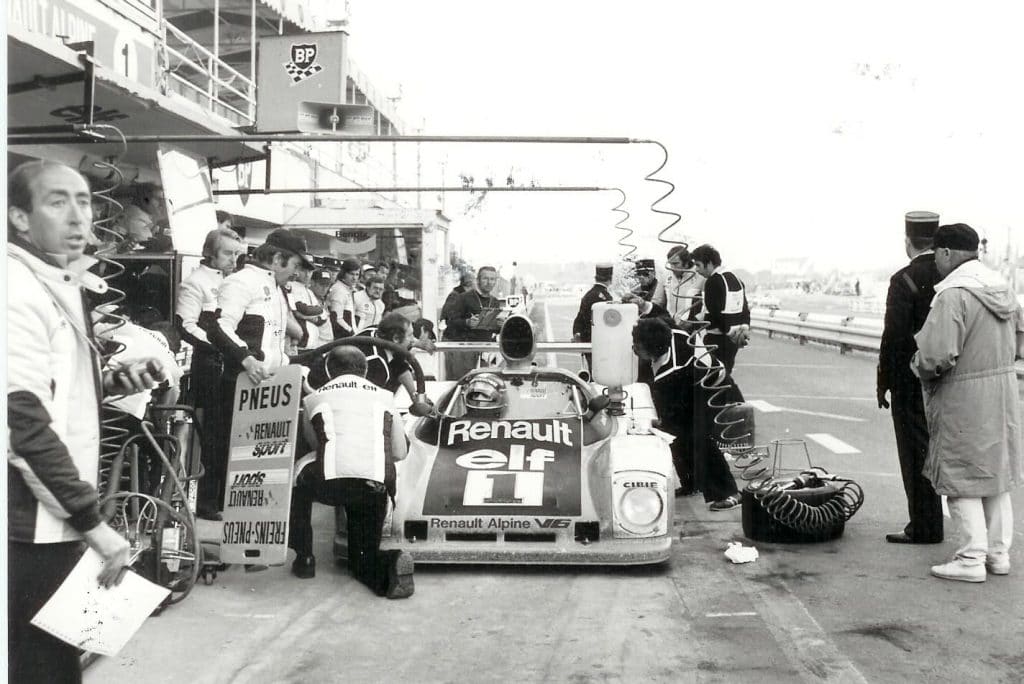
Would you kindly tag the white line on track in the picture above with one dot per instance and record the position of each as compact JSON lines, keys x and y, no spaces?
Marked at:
{"x":552,"y":359}
{"x":742,"y":614}
{"x":814,"y":397}
{"x":787,"y":365}
{"x":833,"y":444}
{"x":766,"y":407}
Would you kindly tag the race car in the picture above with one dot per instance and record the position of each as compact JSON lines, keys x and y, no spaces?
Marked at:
{"x":527,"y":465}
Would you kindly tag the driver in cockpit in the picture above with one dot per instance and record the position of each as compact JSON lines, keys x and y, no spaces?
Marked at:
{"x":484,"y":397}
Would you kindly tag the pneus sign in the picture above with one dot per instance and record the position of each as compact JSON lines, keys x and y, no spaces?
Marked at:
{"x":506,"y":467}
{"x":261,"y":458}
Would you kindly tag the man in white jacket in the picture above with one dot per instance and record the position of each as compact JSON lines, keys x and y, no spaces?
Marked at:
{"x":54,"y":387}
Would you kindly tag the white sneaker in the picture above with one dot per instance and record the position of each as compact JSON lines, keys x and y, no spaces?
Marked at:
{"x":998,"y":566}
{"x":957,"y":570}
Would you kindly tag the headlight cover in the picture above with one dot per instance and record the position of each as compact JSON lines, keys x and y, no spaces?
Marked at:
{"x":641,"y":507}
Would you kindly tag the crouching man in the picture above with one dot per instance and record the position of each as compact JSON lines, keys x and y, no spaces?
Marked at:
{"x":357,"y":435}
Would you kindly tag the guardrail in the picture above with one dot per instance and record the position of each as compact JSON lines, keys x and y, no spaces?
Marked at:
{"x":846,"y":332}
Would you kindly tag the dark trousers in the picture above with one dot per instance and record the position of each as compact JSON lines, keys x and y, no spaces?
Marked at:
{"x":34,"y":572}
{"x":216,"y":446}
{"x":211,"y":397}
{"x":911,"y":427}
{"x":711,"y":473}
{"x":365,"y":504}
{"x":723,"y":349}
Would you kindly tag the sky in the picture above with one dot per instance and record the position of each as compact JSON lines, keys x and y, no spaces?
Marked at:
{"x":793,"y":128}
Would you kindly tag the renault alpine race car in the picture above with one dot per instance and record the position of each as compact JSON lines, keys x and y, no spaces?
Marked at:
{"x":521,"y":464}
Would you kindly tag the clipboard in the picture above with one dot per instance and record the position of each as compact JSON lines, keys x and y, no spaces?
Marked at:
{"x":488,"y":318}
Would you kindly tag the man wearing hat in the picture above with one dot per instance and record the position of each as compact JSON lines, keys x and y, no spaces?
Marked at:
{"x":648,"y":281}
{"x":906,"y":306}
{"x":341,"y":299}
{"x":965,"y":360}
{"x":252,"y":322}
{"x":584,"y":321}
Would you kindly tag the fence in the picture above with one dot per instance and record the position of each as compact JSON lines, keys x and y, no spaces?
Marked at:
{"x":846,"y":332}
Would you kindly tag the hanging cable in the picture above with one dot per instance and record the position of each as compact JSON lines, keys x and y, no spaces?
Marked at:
{"x":629,"y":247}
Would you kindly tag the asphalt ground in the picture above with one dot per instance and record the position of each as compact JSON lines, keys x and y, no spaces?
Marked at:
{"x":850,"y":610}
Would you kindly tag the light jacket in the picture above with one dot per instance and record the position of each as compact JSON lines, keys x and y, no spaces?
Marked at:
{"x":965,"y":361}
{"x":251,"y":316}
{"x":196,"y":306}
{"x":677,"y":294}
{"x":356,"y":428}
{"x":53,"y":397}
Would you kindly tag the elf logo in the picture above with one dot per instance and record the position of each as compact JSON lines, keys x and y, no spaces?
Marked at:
{"x":553,"y":523}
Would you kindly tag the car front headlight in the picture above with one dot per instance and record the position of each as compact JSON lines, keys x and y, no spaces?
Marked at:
{"x":641,"y":506}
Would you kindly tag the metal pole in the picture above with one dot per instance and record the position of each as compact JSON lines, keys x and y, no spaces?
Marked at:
{"x":216,"y":54}
{"x":335,"y":137}
{"x":436,"y":188}
{"x":252,"y":62}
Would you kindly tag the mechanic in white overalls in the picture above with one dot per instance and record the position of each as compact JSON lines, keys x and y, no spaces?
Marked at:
{"x":725,"y":306}
{"x":357,"y":435}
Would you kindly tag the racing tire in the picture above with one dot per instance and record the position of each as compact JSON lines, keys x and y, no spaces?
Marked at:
{"x":737,"y":437}
{"x":759,"y":525}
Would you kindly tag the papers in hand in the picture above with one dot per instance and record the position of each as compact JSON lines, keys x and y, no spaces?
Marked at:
{"x":86,"y":615}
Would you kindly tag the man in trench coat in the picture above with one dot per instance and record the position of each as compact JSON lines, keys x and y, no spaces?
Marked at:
{"x":965,"y":360}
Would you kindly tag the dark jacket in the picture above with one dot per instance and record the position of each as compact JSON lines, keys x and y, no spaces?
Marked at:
{"x":584,"y":319}
{"x":911,"y":290}
{"x":466,"y":305}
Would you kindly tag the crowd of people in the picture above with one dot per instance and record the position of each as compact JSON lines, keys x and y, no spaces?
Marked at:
{"x":691,"y":325}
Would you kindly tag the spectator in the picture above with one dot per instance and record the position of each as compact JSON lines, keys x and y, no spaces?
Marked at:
{"x":320,"y":284}
{"x":351,"y":467}
{"x":668,"y":366}
{"x":196,"y":313}
{"x":366,"y":271}
{"x":53,"y":395}
{"x":965,"y":360}
{"x":307,"y":310}
{"x":368,"y":303}
{"x":473,"y":319}
{"x":341,"y":299}
{"x":911,"y":290}
{"x":448,"y":308}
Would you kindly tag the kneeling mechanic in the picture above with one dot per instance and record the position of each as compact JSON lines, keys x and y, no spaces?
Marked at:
{"x":357,"y":435}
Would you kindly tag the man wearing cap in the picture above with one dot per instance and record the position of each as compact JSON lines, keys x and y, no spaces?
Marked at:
{"x":581,"y":325}
{"x":307,"y":309}
{"x":320,"y":285}
{"x":252,"y":323}
{"x":645,"y":274}
{"x":369,"y":305}
{"x":366,"y":271}
{"x":906,"y":306}
{"x":341,"y":299}
{"x":965,"y":359}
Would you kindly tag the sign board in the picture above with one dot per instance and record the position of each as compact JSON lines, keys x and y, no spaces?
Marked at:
{"x":121,"y":46}
{"x":261,"y":458}
{"x":307,"y":67}
{"x":326,"y":117}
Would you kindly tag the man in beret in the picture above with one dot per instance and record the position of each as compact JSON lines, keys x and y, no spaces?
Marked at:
{"x":965,"y":360}
{"x":906,"y":306}
{"x":584,"y":320}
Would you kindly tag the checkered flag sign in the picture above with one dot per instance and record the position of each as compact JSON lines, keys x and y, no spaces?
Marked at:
{"x":303,"y":63}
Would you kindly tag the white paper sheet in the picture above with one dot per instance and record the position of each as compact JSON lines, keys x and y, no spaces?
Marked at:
{"x":86,"y":615}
